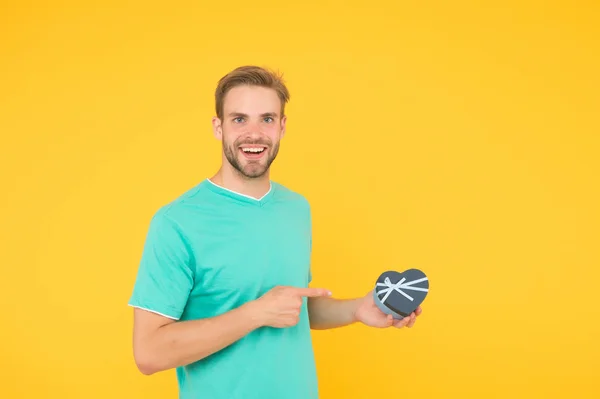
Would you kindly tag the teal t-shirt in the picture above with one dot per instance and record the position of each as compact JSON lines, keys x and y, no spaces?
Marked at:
{"x":212,"y":250}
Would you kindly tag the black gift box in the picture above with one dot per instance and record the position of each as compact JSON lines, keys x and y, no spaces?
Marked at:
{"x":399,"y":294}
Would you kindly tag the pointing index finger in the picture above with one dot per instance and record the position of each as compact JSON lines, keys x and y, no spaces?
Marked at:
{"x":313,"y":292}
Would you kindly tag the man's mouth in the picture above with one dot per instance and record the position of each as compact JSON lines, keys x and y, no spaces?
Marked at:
{"x":253,"y":152}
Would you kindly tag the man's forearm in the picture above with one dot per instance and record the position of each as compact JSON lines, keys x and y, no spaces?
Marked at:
{"x":181,"y":343}
{"x":326,"y":313}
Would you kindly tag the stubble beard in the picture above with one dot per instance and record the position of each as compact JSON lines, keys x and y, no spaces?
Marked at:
{"x":254,"y":168}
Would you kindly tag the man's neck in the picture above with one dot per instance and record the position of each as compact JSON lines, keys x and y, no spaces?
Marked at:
{"x":232,"y":180}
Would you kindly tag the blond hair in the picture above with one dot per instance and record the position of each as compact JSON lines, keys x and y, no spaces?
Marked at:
{"x":252,"y":76}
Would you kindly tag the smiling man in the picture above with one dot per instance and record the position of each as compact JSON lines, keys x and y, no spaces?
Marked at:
{"x":222,"y":291}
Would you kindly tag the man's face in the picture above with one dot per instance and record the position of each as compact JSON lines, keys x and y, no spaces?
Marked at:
{"x":251,"y":129}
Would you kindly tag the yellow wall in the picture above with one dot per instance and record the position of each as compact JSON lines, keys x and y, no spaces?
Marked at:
{"x":455,"y":138}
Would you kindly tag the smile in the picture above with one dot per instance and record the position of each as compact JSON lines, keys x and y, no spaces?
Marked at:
{"x":253,"y":152}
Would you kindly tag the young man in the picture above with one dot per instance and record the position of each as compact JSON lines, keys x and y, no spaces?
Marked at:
{"x":222,"y":290}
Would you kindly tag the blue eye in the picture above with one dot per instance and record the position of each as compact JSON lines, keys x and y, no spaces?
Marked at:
{"x":238,"y":119}
{"x":268,"y":119}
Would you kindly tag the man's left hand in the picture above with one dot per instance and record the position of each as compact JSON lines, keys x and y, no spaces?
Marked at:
{"x":369,"y":314}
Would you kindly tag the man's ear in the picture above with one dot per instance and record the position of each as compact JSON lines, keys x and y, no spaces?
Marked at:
{"x":283,"y":125}
{"x":217,"y":128}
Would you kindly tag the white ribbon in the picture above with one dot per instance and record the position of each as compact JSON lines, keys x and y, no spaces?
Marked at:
{"x":399,"y":286}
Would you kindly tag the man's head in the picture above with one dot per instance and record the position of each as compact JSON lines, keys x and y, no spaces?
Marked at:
{"x":250,"y":121}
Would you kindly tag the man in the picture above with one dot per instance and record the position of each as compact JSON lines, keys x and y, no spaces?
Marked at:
{"x":222,"y":289}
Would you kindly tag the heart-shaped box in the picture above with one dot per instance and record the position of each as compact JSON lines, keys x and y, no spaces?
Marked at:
{"x":400,"y":294}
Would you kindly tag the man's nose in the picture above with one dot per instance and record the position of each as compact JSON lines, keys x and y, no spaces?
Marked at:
{"x":253,"y":129}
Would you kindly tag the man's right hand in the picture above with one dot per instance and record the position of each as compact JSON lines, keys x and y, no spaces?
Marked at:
{"x":280,"y":306}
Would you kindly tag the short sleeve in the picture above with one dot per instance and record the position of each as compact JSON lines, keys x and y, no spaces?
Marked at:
{"x":165,"y":274}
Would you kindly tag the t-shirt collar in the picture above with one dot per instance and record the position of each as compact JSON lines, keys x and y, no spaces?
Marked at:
{"x":239,"y":196}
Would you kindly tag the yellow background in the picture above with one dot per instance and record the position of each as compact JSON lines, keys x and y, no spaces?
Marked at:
{"x":456,"y":138}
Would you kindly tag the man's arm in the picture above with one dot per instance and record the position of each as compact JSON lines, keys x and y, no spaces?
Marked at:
{"x":326,"y":313}
{"x":160,"y":343}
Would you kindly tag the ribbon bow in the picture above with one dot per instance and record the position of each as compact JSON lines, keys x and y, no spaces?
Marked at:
{"x":399,"y":286}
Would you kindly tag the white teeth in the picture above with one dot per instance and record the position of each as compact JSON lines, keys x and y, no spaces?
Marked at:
{"x":254,"y":150}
